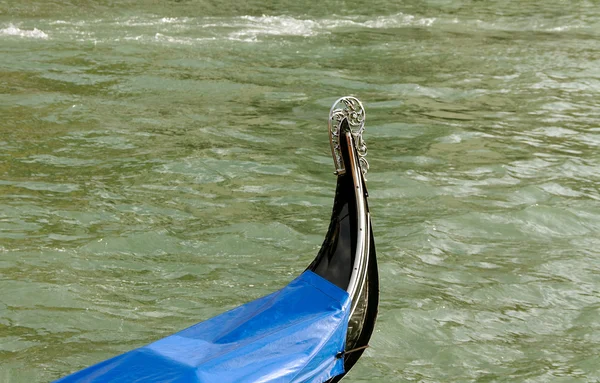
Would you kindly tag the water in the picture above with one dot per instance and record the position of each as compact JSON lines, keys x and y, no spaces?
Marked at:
{"x":164,"y":161}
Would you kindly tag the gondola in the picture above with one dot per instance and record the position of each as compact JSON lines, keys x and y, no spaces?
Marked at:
{"x":313,"y":330}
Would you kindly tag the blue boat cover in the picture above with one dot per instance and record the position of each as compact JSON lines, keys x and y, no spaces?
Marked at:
{"x":292,"y":335}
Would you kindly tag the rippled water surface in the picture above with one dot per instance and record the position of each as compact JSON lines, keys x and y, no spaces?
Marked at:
{"x":161,"y":162}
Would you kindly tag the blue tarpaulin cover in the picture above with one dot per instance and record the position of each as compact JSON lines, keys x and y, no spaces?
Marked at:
{"x":292,"y":335}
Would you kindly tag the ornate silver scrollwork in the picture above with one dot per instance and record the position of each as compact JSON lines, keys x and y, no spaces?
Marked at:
{"x":350,"y":109}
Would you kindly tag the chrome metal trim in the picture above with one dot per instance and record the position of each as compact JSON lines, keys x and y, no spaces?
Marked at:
{"x":361,"y":259}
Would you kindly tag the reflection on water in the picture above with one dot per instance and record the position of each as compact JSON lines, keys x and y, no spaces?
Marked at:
{"x":161,"y":164}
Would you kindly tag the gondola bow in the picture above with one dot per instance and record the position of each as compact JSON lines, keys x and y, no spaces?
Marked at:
{"x":312,"y":330}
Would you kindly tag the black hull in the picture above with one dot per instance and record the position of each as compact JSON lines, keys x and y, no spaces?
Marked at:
{"x":349,"y":229}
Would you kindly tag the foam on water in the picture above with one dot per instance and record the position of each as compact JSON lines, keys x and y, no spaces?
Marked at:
{"x":164,"y":29}
{"x":252,"y":29}
{"x":13,"y":30}
{"x":149,"y":29}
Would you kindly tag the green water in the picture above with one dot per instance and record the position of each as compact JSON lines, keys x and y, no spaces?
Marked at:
{"x":163,"y":161}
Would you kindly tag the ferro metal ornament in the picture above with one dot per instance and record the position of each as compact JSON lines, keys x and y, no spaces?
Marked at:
{"x":350,"y":109}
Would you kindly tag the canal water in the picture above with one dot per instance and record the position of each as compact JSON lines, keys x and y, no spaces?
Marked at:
{"x":163,"y":161}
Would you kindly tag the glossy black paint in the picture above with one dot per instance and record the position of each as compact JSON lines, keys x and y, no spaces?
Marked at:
{"x":335,"y":260}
